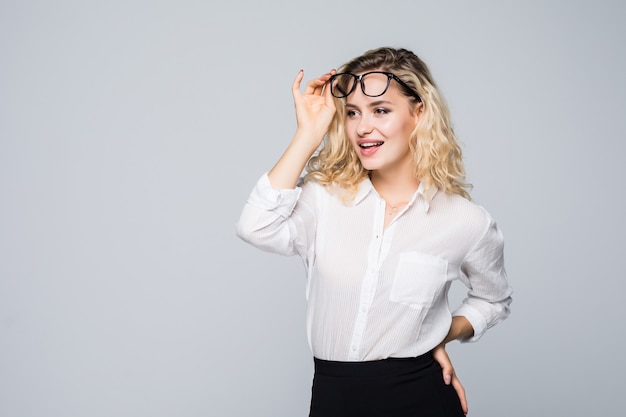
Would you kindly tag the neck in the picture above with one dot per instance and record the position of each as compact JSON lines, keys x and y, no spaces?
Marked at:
{"x":395,"y":189}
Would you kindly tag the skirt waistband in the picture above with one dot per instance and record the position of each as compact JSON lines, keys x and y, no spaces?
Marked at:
{"x":388,"y":366}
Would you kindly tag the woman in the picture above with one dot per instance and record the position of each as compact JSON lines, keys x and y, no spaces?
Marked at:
{"x":384,"y":224}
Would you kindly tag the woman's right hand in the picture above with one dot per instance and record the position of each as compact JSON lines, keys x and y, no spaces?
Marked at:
{"x":315,"y":107}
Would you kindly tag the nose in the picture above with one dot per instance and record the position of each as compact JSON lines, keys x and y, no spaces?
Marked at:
{"x":364,"y":127}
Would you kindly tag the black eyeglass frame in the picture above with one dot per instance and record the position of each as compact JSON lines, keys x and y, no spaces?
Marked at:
{"x":359,"y":79}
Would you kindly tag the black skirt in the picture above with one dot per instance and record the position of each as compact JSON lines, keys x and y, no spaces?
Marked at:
{"x":394,"y":387}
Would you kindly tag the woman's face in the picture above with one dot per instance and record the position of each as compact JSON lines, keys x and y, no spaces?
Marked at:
{"x":379,"y":128}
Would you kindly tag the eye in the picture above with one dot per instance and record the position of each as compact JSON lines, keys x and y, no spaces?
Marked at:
{"x":381,"y":111}
{"x":351,"y":113}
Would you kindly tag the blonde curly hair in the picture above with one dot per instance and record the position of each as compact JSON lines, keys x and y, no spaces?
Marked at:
{"x":436,"y":151}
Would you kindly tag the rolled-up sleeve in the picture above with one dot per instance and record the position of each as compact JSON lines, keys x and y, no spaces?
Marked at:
{"x":489,"y":296}
{"x":264,"y":221}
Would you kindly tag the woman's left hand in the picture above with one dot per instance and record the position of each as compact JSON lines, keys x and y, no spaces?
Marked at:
{"x":449,"y":375}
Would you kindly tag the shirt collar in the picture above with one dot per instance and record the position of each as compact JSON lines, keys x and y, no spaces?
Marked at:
{"x":365,"y":187}
{"x":426,"y":191}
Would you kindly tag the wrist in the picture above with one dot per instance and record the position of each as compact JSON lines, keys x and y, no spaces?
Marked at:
{"x":309,"y":136}
{"x":460,"y":329}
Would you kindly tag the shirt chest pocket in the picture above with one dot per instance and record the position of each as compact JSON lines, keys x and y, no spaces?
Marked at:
{"x":419,"y":279}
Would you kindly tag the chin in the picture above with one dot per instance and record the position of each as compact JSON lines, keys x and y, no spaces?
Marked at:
{"x":369,"y":165}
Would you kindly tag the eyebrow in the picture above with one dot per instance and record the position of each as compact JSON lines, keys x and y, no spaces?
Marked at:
{"x":372,"y":104}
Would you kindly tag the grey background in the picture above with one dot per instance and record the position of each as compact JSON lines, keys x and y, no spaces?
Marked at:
{"x":131,"y":133}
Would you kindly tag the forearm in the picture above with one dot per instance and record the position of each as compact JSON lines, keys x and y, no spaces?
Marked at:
{"x":287,"y":171}
{"x":460,"y":329}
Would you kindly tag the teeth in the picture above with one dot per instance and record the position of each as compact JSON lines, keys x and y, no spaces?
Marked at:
{"x":369,"y":145}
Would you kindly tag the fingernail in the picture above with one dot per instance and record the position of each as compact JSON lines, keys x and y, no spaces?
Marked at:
{"x":447,"y":379}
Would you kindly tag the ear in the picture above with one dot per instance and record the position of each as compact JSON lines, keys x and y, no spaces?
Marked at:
{"x":418,"y":109}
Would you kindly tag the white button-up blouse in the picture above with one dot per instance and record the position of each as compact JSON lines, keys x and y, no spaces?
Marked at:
{"x":375,"y":292}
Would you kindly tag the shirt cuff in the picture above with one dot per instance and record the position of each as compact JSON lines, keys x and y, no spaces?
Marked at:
{"x":281,"y":201}
{"x":478,"y":322}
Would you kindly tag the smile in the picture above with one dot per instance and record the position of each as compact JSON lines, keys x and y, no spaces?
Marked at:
{"x":370,"y":144}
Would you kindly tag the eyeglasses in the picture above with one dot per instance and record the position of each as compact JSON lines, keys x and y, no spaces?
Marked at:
{"x":344,"y":83}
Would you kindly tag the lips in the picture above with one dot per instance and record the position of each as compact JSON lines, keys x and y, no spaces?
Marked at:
{"x":369,"y":147}
{"x":369,"y":143}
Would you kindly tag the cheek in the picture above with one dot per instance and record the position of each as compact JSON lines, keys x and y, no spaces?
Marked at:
{"x":350,"y":130}
{"x":389,"y":127}
{"x":407,"y":127}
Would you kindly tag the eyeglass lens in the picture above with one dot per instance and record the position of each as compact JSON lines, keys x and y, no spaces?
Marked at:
{"x":373,"y":84}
